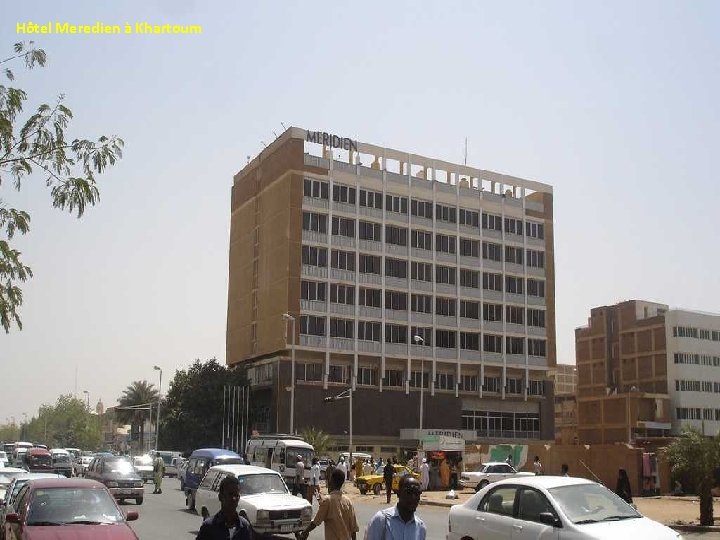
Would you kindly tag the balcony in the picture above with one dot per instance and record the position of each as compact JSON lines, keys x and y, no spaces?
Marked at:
{"x":418,"y":285}
{"x":470,"y":292}
{"x":418,"y":317}
{"x":537,"y":361}
{"x":396,"y":217}
{"x":394,"y":249}
{"x":492,"y":326}
{"x":419,"y":253}
{"x":373,"y":279}
{"x":469,"y":230}
{"x":445,"y":226}
{"x":535,"y":242}
{"x":312,"y":341}
{"x":536,"y":331}
{"x":442,"y":256}
{"x":492,"y":197}
{"x":512,"y":201}
{"x":467,"y":354}
{"x":344,"y":208}
{"x":396,"y":178}
{"x":512,"y":298}
{"x":396,"y":283}
{"x":315,"y":237}
{"x":342,"y":166}
{"x":420,"y":183}
{"x":489,"y":264}
{"x":469,"y":324}
{"x":317,"y":306}
{"x":370,"y":245}
{"x":421,"y":221}
{"x":370,"y":312}
{"x":342,"y":275}
{"x":443,"y":352}
{"x":512,"y":268}
{"x":445,"y":288}
{"x":421,"y":351}
{"x":491,"y":234}
{"x":370,"y":212}
{"x":447,"y":188}
{"x":396,"y":315}
{"x":314,"y":271}
{"x":535,"y":271}
{"x":396,"y":349}
{"x":469,"y":262}
{"x":345,"y":344}
{"x":535,"y":300}
{"x":512,"y":328}
{"x":312,"y":202}
{"x":536,"y":206}
{"x":444,"y":320}
{"x":342,"y":309}
{"x":369,"y":346}
{"x":492,"y":357}
{"x":515,"y":359}
{"x":343,"y":241}
{"x":315,"y":161}
{"x":368,"y":171}
{"x":492,"y":296}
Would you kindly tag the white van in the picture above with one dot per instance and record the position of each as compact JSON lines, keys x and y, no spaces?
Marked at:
{"x":279,"y":453}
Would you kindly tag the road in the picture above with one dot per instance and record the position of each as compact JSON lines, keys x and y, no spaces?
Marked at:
{"x":163,"y":517}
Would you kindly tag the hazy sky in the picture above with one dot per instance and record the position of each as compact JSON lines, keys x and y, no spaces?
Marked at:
{"x":615,"y":104}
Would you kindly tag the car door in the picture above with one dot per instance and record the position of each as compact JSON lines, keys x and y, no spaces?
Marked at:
{"x":494,"y":517}
{"x":527,"y":525}
{"x":13,"y":531}
{"x":504,"y":471}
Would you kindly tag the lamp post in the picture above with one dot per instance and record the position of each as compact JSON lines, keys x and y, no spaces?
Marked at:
{"x":287,"y":317}
{"x":87,"y":396}
{"x":346,"y":394}
{"x":418,"y":341}
{"x":157,"y":425}
{"x":632,"y":390}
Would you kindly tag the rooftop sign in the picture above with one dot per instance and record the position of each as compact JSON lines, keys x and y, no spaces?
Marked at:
{"x":328,"y":139}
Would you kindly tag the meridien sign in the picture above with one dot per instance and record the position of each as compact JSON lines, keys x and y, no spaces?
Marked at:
{"x":328,"y":139}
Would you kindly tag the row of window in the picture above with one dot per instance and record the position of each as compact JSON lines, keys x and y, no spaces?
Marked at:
{"x":697,"y":413}
{"x":399,"y":204}
{"x":502,"y":424}
{"x":697,"y":386}
{"x":697,"y":333}
{"x":697,"y":359}
{"x":395,"y":333}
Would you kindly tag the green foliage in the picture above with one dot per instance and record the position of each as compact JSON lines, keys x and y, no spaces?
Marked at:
{"x":696,"y":456}
{"x":139,"y":394}
{"x":9,"y":432}
{"x":318,"y":438}
{"x":39,"y":143}
{"x":192,"y":414}
{"x":67,"y":424}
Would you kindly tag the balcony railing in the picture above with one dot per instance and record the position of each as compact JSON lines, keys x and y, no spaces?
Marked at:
{"x":370,"y":245}
{"x":312,"y":341}
{"x":443,"y":320}
{"x":314,"y":236}
{"x":442,"y":352}
{"x":489,"y":264}
{"x":492,"y":295}
{"x":342,"y":275}
{"x":372,"y":212}
{"x":396,"y":349}
{"x":469,"y":262}
{"x":418,"y":285}
{"x":535,"y":300}
{"x":344,"y":241}
{"x":396,"y":315}
{"x":515,"y":359}
{"x":393,"y":249}
{"x":422,"y":253}
{"x":534,"y":271}
{"x":515,"y":298}
{"x":370,"y":312}
{"x":374,"y":279}
{"x":536,"y":331}
{"x":467,"y":354}
{"x":492,"y":326}
{"x":342,"y":309}
{"x":537,"y":361}
{"x":513,"y":268}
{"x":418,"y":317}
{"x":345,"y":344}
{"x":445,"y":226}
{"x":313,"y":305}
{"x":492,"y":357}
{"x":313,"y":202}
{"x":344,"y":208}
{"x":421,"y":351}
{"x":369,"y":346}
{"x":470,"y":292}
{"x":491,"y":234}
{"x":445,"y":288}
{"x":445,"y":257}
{"x":314,"y":271}
{"x":315,"y":161}
{"x":396,"y":283}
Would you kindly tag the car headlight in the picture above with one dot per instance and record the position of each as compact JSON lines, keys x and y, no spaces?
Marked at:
{"x":306,"y":512}
{"x":111,"y":484}
{"x":263,"y":515}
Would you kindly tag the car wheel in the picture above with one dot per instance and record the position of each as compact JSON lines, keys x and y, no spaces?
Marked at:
{"x":204,"y":513}
{"x":377,"y":488}
{"x":139,"y":500}
{"x":190,"y":500}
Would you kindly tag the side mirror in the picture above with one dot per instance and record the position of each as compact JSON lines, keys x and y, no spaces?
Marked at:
{"x":132,"y":516}
{"x":12,"y":518}
{"x":548,"y":518}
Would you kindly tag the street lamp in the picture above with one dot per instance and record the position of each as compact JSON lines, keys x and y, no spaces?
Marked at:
{"x":287,"y":317}
{"x":87,"y":395}
{"x":346,"y":394}
{"x":419,"y":341}
{"x":632,"y":390}
{"x":157,"y":425}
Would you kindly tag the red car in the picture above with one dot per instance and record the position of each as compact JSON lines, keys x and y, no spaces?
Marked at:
{"x":61,"y":509}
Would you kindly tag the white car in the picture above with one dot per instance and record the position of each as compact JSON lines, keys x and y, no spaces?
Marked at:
{"x":264,"y":499}
{"x":550,"y":507}
{"x":489,"y":473}
{"x":4,"y":460}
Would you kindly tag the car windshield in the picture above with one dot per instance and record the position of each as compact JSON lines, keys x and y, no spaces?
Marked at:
{"x":121,"y":466}
{"x":590,"y":503}
{"x":293,"y":452}
{"x":252,"y":484}
{"x":60,"y":506}
{"x":61,"y":458}
{"x":229,"y":460}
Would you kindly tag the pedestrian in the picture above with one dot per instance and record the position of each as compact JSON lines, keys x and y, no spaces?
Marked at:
{"x":328,"y":473}
{"x":158,"y":472}
{"x":622,"y":488}
{"x":227,"y":523}
{"x":299,"y":485}
{"x":314,"y":487}
{"x":564,"y":470}
{"x":343,"y":466}
{"x":388,"y":473}
{"x":444,"y":474}
{"x":537,"y":466}
{"x":336,"y":511}
{"x":424,"y":475}
{"x":453,"y":475}
{"x":509,"y":460}
{"x":400,"y":521}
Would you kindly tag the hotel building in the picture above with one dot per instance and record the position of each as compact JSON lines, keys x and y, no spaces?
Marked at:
{"x":410,"y":280}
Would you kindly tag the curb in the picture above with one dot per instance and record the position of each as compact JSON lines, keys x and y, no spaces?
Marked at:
{"x":694,"y":528}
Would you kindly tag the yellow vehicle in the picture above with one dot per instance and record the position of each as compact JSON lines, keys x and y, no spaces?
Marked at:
{"x":375,"y":482}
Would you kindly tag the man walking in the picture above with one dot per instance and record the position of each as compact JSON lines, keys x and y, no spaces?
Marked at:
{"x":158,"y":472}
{"x":400,"y":521}
{"x":314,"y":487}
{"x":227,"y":523}
{"x":424,"y":475}
{"x":299,"y":477}
{"x":388,"y":473}
{"x":336,"y":511}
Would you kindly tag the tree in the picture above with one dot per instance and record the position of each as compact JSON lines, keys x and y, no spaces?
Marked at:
{"x":67,"y":424}
{"x":38,"y":143}
{"x":9,"y":432}
{"x":318,"y":438}
{"x":135,"y":406}
{"x":193,"y":409}
{"x":696,"y":456}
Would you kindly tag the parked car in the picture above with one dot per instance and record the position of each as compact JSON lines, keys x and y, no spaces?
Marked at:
{"x":489,"y":473}
{"x":7,"y":475}
{"x":264,"y":499}
{"x":119,"y":475}
{"x":200,"y":461}
{"x":83,"y":508}
{"x":62,"y":461}
{"x":7,"y":506}
{"x":550,"y":507}
{"x":144,"y":466}
{"x":375,"y":482}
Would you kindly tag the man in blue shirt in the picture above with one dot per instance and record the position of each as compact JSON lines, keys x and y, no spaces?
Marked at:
{"x":400,"y":522}
{"x":227,"y":523}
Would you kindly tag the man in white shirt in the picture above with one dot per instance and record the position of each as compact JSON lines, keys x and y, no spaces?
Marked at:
{"x":343,"y":466}
{"x":299,"y":477}
{"x":314,"y":486}
{"x":424,"y":475}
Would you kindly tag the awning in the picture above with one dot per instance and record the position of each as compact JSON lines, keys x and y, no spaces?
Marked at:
{"x":443,"y":443}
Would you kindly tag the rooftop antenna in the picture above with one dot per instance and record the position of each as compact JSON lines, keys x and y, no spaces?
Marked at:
{"x":276,"y":135}
{"x":283,"y":125}
{"x":263,"y":143}
{"x":465,"y":162}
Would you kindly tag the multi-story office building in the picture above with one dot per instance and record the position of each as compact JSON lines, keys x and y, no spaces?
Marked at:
{"x":565,"y":403}
{"x":645,"y":370}
{"x":410,"y":280}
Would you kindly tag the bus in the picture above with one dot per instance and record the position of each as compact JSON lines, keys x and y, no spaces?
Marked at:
{"x":280,"y":452}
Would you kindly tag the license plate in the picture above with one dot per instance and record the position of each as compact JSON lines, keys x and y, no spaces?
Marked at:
{"x":286,"y":528}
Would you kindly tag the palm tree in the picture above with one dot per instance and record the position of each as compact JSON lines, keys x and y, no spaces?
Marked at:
{"x":317,"y":438}
{"x":139,"y":394}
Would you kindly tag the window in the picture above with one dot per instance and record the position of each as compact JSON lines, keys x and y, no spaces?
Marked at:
{"x":492,"y":282}
{"x":536,"y":318}
{"x":469,"y":383}
{"x":342,"y":294}
{"x":445,"y":381}
{"x":370,"y":199}
{"x":312,"y":290}
{"x":315,"y":189}
{"x":492,"y":312}
{"x":369,"y":231}
{"x":492,"y":251}
{"x":469,"y":218}
{"x":470,"y":278}
{"x":444,"y":274}
{"x":445,"y":339}
{"x":343,"y":328}
{"x":513,"y":226}
{"x":469,"y":248}
{"x":514,"y":284}
{"x":314,"y":222}
{"x":491,"y":384}
{"x":370,"y":297}
{"x":421,"y":303}
{"x":536,"y":388}
{"x":514,"y":386}
{"x":492,"y":343}
{"x":343,"y":227}
{"x":469,"y":310}
{"x":343,"y":260}
{"x":535,"y":230}
{"x":311,"y":325}
{"x":421,"y":271}
{"x":370,"y":264}
{"x":415,"y":379}
{"x":514,"y":345}
{"x":343,"y":194}
{"x":396,"y":268}
{"x":444,"y":243}
{"x":421,"y":208}
{"x":536,"y":347}
{"x":426,"y":333}
{"x":445,"y":213}
{"x":369,"y":331}
{"x":445,"y":306}
{"x":314,"y":256}
{"x":397,"y":204}
{"x":491,"y":222}
{"x":396,"y":235}
{"x":535,"y":259}
{"x":339,"y":374}
{"x":395,"y":333}
{"x":367,"y":376}
{"x":394,"y":378}
{"x":536,"y":287}
{"x":513,"y":255}
{"x":309,"y":372}
{"x":421,"y":240}
{"x":396,"y":300}
{"x":515,"y":315}
{"x":470,"y":341}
